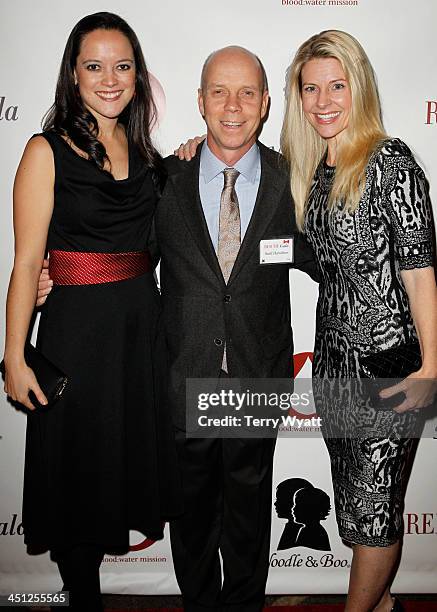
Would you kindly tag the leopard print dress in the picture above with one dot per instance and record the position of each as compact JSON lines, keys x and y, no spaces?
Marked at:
{"x":362,"y":308}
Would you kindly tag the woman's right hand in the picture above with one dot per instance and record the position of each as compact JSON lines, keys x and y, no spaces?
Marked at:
{"x":19,"y":380}
{"x":188,"y":150}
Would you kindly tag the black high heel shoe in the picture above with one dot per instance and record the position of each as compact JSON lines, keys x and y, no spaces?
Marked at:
{"x":397,"y":606}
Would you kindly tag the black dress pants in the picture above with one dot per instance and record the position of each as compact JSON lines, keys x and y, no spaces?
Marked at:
{"x":227,"y":489}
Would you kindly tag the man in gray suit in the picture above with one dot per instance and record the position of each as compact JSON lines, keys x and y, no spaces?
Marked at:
{"x":226,"y":314}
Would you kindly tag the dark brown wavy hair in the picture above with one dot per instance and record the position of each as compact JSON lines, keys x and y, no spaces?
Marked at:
{"x":68,"y":115}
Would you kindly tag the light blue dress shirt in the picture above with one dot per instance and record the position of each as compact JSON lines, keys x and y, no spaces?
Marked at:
{"x":211,"y":181}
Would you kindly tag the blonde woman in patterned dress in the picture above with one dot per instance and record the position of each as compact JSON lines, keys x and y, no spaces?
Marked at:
{"x":353,"y":188}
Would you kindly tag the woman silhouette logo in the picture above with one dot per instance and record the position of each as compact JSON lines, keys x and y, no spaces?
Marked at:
{"x":304,"y":506}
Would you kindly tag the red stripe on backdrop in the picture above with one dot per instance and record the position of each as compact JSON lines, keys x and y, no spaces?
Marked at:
{"x":299,"y":360}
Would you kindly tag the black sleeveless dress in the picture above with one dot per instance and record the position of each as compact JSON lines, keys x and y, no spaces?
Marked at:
{"x":101,"y":461}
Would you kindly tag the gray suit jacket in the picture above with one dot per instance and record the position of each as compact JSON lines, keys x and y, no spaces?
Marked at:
{"x":251,"y":314}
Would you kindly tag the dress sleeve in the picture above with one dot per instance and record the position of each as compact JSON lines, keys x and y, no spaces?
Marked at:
{"x":407,"y":193}
{"x":304,"y":257}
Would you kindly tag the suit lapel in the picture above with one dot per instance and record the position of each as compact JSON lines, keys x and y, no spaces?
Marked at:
{"x":270,"y":190}
{"x":186,"y":185}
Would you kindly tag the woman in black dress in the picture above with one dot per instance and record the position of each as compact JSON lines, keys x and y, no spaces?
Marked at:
{"x":101,"y":461}
{"x":357,"y":192}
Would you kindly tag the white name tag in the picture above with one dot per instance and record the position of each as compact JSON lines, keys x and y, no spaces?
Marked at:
{"x":276,"y":250}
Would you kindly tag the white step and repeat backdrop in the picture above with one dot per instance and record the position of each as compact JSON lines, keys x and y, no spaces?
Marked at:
{"x":399,"y":36}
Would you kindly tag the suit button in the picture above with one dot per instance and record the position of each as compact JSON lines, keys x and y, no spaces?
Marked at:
{"x":218,"y":341}
{"x":227,"y":298}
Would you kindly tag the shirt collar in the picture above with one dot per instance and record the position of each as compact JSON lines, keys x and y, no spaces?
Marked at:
{"x":211,"y":166}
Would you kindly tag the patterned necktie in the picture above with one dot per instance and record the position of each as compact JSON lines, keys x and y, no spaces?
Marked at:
{"x":229,"y":238}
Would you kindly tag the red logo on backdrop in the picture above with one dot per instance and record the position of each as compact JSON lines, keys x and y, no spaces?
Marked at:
{"x":299,"y":360}
{"x":431,"y":112}
{"x":144,"y":544}
{"x":158,"y":98}
{"x":421,"y":524}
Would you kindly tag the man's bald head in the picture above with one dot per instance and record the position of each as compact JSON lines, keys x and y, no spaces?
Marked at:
{"x":233,"y":101}
{"x":234,"y":52}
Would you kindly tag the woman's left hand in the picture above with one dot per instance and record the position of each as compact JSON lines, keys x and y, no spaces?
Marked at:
{"x":186,"y":151}
{"x":419,"y":390}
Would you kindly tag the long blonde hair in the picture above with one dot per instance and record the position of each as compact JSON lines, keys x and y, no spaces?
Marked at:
{"x":302,"y":146}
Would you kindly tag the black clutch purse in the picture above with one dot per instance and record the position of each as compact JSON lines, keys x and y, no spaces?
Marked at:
{"x":387,"y":368}
{"x":397,"y":362}
{"x":50,"y":378}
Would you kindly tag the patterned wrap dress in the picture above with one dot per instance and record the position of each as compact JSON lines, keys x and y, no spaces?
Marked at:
{"x":363,"y":308}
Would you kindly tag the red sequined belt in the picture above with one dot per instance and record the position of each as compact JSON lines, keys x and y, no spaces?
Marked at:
{"x":76,"y":268}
